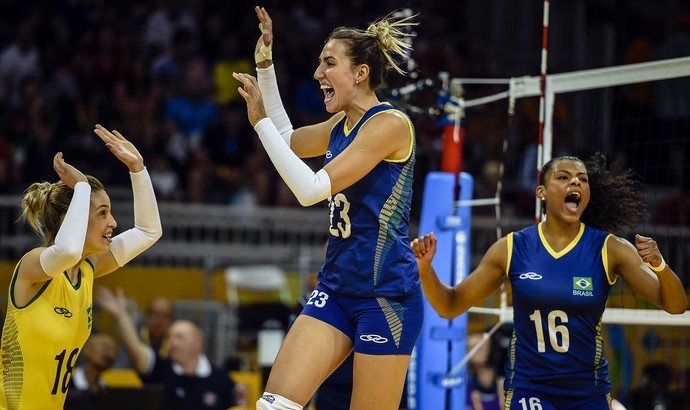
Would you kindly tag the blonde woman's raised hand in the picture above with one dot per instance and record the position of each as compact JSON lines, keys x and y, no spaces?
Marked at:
{"x":68,"y":174}
{"x":123,"y":150}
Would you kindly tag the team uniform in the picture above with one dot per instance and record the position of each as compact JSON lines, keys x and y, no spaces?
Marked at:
{"x":556,"y":351}
{"x":369,"y":285}
{"x":42,"y":340}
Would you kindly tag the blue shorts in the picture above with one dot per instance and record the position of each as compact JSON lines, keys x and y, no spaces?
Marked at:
{"x":376,"y":325}
{"x":519,"y":399}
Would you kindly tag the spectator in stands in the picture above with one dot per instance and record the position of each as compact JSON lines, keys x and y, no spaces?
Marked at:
{"x":170,"y":16}
{"x":561,"y":271}
{"x":189,"y":378}
{"x":484,"y":380}
{"x":368,"y":298}
{"x":157,"y":320}
{"x":49,"y":311}
{"x":18,"y":60}
{"x":98,"y":356}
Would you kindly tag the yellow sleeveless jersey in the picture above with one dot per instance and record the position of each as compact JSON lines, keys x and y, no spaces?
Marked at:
{"x":41,"y":341}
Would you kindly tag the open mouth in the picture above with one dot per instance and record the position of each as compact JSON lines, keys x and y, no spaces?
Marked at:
{"x":328,"y":92}
{"x":572,"y":201}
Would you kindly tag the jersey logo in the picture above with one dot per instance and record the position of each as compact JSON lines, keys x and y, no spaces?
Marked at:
{"x":373,"y":338}
{"x":582,"y":286}
{"x":582,"y":283}
{"x":329,"y":154}
{"x":62,"y":311}
{"x":530,"y":275}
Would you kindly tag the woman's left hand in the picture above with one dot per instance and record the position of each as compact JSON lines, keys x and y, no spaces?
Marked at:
{"x":648,"y":250}
{"x":124,"y":150}
{"x":252,"y":95}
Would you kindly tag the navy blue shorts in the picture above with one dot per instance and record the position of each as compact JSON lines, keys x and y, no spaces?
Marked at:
{"x":519,"y":399}
{"x":376,"y":325}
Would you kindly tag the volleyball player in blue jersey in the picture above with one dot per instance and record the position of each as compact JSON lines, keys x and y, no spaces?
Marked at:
{"x":369,"y":296}
{"x":561,"y":271}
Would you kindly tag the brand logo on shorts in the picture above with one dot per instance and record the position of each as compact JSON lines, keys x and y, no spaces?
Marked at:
{"x":269,"y":398}
{"x":530,"y":275}
{"x":328,"y":154}
{"x":373,"y":338}
{"x":62,"y":311}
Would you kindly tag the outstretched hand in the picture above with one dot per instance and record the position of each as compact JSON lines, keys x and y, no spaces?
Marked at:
{"x":252,"y":95}
{"x":424,"y":248}
{"x":115,"y":303}
{"x":263,"y":54}
{"x":648,"y":250}
{"x":68,"y":174}
{"x":124,"y":150}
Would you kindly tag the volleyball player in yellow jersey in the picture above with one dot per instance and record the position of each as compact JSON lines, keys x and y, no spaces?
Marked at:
{"x":50,"y":295}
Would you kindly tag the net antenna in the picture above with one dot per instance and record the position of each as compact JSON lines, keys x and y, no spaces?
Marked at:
{"x":543,"y":154}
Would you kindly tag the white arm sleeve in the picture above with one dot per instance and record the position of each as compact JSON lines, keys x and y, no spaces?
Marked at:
{"x":268,"y":84}
{"x":69,"y":241}
{"x":308,"y":187}
{"x":147,"y":222}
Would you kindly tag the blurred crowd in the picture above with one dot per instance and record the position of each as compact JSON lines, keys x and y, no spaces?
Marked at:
{"x":159,"y":71}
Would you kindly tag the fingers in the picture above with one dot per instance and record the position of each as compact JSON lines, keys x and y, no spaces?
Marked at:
{"x":251,"y":86}
{"x":264,"y":19}
{"x":105,"y":135}
{"x":58,"y":161}
{"x":59,"y":164}
{"x":424,"y":244}
{"x":648,"y":250}
{"x":246,"y":79}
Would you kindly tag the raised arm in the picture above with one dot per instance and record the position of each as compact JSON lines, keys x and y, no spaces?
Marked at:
{"x":385,"y":136}
{"x":43,"y":263}
{"x":139,"y":353}
{"x":305,"y":142}
{"x":452,"y":301}
{"x":147,"y":224}
{"x":644,"y":270}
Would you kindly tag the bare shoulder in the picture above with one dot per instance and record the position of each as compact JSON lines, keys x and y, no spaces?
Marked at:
{"x":392,"y":132}
{"x":617,"y":246}
{"x":389,"y":120}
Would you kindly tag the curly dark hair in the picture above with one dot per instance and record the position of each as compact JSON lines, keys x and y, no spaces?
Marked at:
{"x":616,"y":200}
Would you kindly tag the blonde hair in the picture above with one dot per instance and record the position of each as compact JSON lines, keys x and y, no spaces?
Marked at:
{"x":378,"y":45}
{"x":45,"y":204}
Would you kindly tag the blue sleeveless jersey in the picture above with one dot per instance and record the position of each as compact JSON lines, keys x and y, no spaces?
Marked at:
{"x":558,"y":301}
{"x":369,"y":250}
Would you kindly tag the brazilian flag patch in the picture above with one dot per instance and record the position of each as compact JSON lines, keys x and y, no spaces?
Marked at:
{"x":582,"y":283}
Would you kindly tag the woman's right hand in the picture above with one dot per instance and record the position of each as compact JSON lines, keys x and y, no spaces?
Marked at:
{"x":68,"y":174}
{"x":263,"y":55}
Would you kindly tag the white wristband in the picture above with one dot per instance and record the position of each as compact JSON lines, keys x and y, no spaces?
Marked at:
{"x":69,"y":241}
{"x":308,"y":187}
{"x":659,"y":268}
{"x":147,"y":222}
{"x":268,"y":84}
